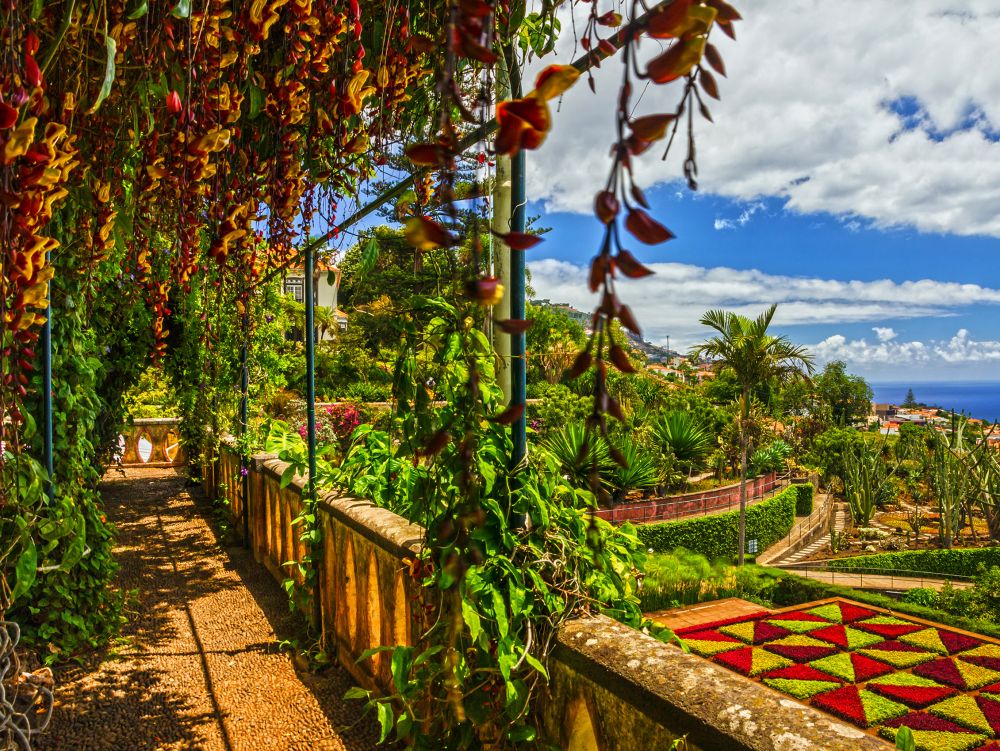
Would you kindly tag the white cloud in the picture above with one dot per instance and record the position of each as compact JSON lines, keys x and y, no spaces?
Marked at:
{"x":804,"y":116}
{"x":742,"y":220}
{"x":961,"y":349}
{"x":670,"y":303}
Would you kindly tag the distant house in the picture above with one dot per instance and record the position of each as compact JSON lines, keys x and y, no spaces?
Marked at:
{"x":884,"y":411}
{"x":326,"y":285}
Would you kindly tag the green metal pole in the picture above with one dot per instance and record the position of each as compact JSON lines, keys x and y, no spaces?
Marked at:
{"x":310,"y":369}
{"x":244,"y":421}
{"x":47,"y":393}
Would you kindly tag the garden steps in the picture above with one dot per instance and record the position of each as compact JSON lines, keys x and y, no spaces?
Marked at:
{"x":199,"y":667}
{"x":791,"y":555}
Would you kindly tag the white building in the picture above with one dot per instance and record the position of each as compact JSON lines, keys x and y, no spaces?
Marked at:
{"x":326,"y":284}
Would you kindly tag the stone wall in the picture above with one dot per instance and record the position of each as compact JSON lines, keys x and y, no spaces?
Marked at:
{"x":612,"y":688}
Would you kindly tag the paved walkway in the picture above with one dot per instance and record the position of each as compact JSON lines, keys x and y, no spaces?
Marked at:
{"x":706,"y":612}
{"x":875,"y":581}
{"x":198,"y":668}
{"x":821,"y":541}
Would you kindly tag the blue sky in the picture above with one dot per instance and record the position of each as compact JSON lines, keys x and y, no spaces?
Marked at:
{"x":852,"y":175}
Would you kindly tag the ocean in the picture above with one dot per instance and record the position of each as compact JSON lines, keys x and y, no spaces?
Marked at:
{"x":975,"y":398}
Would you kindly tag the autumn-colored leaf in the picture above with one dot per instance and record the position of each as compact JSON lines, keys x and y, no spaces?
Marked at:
{"x":725,"y":12}
{"x":652,"y":127}
{"x":425,"y":154}
{"x":32,"y":73}
{"x":664,"y":23}
{"x":606,"y":206}
{"x":580,"y":365}
{"x":630,"y":266}
{"x":708,"y":84}
{"x":705,"y":113}
{"x":628,"y":320}
{"x":607,"y":47}
{"x":715,"y":59}
{"x":424,"y":234}
{"x":514,"y":326}
{"x":554,"y":80}
{"x":522,"y":124}
{"x":510,"y":415}
{"x":8,"y":116}
{"x":174,"y":105}
{"x":620,"y":359}
{"x":598,"y":268}
{"x":638,"y":196}
{"x":646,"y":229}
{"x":437,"y":442}
{"x":615,"y":409}
{"x":611,"y":19}
{"x":519,"y":240}
{"x":487,"y":291}
{"x":676,"y":61}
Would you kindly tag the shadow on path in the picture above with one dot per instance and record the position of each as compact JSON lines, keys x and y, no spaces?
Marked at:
{"x":198,"y":666}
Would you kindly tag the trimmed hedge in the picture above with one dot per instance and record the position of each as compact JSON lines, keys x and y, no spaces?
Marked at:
{"x":804,"y":499}
{"x":789,"y":589}
{"x":717,"y":535}
{"x":957,"y":562}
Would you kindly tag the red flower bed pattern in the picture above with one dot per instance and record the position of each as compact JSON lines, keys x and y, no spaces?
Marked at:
{"x":874,"y":669}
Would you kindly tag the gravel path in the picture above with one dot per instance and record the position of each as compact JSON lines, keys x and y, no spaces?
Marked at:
{"x":199,"y":667}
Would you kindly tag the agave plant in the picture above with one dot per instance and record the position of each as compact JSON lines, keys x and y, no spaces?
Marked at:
{"x":578,"y":453}
{"x":638,"y":473}
{"x":771,"y":458}
{"x":686,"y":438}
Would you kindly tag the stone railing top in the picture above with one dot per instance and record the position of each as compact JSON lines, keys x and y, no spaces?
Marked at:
{"x":141,"y":421}
{"x":728,"y":710}
{"x":382,"y":526}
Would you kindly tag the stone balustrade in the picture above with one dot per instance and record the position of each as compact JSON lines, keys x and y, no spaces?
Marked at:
{"x":611,"y":688}
{"x":151,"y":442}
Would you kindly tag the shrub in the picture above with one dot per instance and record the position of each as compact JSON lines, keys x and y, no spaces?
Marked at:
{"x":686,"y":578}
{"x":804,"y":499}
{"x":716,"y":536}
{"x":924,"y":596}
{"x":957,"y":562}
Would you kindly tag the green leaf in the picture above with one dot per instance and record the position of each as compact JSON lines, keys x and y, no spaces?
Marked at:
{"x":500,"y":613}
{"x":111,"y":47}
{"x":77,"y":546}
{"x":905,"y":740}
{"x":287,"y":476}
{"x":369,"y":653}
{"x":471,"y":617}
{"x":400,"y":667}
{"x":256,"y":97}
{"x":139,"y":11}
{"x":26,"y":567}
{"x":534,"y":662}
{"x":36,"y":9}
{"x":182,"y":9}
{"x":385,"y":720}
{"x":356,"y":692}
{"x":369,"y":257}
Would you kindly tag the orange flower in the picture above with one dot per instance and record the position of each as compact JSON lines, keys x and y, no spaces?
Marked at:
{"x":524,"y":123}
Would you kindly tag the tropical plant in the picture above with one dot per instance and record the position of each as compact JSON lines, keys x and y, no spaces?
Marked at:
{"x":687,"y":439}
{"x":867,"y":483}
{"x":755,"y":356}
{"x":771,"y":458}
{"x":639,"y":471}
{"x":578,"y":453}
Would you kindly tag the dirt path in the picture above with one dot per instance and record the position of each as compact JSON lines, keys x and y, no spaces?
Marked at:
{"x":199,"y":668}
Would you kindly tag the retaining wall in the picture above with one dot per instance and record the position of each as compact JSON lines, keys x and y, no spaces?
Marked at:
{"x":672,"y":507}
{"x":612,"y":688}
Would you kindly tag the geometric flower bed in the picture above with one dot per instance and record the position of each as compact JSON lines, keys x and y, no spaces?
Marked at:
{"x":876,"y":669}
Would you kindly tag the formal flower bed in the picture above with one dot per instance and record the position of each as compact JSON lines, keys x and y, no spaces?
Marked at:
{"x":870,"y":667}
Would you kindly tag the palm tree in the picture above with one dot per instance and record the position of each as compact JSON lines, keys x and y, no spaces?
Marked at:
{"x":756,"y":357}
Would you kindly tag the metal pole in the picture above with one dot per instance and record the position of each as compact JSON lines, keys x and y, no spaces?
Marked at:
{"x":47,"y":391}
{"x":518,"y":201}
{"x":310,"y":371}
{"x":244,"y":420}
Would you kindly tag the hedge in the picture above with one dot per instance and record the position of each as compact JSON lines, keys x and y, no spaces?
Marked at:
{"x":789,"y":589}
{"x":717,"y":535}
{"x":956,"y":562}
{"x":804,"y":499}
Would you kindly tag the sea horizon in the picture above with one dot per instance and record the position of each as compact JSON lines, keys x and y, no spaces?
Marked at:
{"x":975,"y":398}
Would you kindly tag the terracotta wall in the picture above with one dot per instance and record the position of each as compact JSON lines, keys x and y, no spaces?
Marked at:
{"x":689,"y":504}
{"x":612,"y":688}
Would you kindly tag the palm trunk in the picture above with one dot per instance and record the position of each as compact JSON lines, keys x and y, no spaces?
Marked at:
{"x":744,"y":414}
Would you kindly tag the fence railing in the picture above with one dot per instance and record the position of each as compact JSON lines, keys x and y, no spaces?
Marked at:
{"x":876,"y":578}
{"x":693,"y":504}
{"x":806,"y":528}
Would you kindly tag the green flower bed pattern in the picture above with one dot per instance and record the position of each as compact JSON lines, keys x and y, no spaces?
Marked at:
{"x":877,"y":670}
